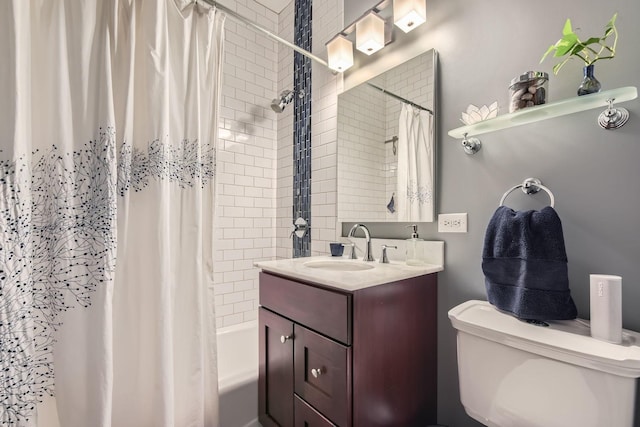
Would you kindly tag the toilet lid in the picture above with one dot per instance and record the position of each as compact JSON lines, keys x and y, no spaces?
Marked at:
{"x":566,"y":340}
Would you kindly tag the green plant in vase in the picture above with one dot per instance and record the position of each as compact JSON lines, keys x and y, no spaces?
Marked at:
{"x":589,"y":51}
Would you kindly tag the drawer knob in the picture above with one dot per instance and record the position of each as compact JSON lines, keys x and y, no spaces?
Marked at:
{"x":316,"y":372}
{"x":283,"y":339}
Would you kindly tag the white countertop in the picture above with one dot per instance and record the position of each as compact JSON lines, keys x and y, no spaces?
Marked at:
{"x":346,"y":280}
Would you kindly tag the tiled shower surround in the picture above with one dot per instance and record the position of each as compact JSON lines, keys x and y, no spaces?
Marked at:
{"x":246,"y":164}
{"x":255,"y":153}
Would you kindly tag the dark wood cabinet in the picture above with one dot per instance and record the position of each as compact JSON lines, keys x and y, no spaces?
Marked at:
{"x":363,"y":358}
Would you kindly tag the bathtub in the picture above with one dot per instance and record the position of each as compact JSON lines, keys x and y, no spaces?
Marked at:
{"x":238,"y":375}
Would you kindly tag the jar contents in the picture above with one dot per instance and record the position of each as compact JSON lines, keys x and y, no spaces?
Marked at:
{"x":527,"y":90}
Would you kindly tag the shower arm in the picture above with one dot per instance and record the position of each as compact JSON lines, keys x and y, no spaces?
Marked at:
{"x":263,"y":30}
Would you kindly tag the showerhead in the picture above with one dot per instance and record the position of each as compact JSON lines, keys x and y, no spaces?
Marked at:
{"x":278,"y":104}
{"x":286,"y":96}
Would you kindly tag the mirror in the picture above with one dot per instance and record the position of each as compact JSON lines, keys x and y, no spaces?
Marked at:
{"x":386,"y":150}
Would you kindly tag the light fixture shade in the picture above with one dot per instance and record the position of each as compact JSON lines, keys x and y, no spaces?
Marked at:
{"x":340,"y":53}
{"x":370,"y":33}
{"x":409,"y":14}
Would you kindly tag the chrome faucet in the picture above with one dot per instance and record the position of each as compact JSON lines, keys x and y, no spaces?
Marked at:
{"x":367,"y":236}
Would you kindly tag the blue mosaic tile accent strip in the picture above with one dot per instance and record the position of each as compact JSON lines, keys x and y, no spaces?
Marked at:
{"x":302,"y":126}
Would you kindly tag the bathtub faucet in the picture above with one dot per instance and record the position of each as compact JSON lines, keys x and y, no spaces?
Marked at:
{"x":367,"y":236}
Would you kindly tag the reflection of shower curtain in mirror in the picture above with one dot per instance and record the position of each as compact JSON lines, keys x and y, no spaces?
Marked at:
{"x":415,"y":165}
{"x":107,"y":147}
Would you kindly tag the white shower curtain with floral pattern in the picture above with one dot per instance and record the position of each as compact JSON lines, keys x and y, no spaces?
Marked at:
{"x":107,"y":164}
{"x":415,"y":201}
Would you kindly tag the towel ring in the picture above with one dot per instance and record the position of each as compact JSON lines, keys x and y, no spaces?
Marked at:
{"x":529,"y":186}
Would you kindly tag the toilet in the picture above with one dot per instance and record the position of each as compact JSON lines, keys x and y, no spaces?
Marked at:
{"x":516,"y":374}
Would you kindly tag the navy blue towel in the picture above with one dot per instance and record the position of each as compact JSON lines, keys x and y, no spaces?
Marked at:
{"x":525,"y":265}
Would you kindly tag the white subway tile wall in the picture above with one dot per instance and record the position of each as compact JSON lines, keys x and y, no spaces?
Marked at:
{"x":255,"y":170}
{"x":246,"y":164}
{"x":327,"y":21}
{"x":284,"y":191}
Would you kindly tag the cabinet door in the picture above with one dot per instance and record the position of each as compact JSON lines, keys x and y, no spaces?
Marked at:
{"x":322,"y":375}
{"x":275,"y":392}
{"x":306,"y":416}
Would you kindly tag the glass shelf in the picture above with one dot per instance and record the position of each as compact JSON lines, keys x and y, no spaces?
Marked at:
{"x":547,"y":111}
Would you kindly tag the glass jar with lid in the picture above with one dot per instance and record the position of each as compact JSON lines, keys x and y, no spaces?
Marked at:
{"x":527,"y":90}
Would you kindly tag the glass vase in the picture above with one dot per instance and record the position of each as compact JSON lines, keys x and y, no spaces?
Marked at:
{"x":589,"y":83}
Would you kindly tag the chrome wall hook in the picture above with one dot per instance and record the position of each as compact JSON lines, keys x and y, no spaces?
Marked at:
{"x":471,"y":145}
{"x":613,"y":118}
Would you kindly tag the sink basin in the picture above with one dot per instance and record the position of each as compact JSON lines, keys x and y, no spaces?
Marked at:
{"x":338,"y":265}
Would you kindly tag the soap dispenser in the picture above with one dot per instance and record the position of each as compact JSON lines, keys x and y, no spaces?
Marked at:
{"x":415,"y":250}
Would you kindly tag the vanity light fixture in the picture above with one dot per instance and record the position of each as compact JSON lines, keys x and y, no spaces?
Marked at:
{"x":340,"y":53}
{"x":409,"y":14}
{"x":372,"y":32}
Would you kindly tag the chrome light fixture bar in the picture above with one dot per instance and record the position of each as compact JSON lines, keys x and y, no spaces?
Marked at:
{"x":371,"y":32}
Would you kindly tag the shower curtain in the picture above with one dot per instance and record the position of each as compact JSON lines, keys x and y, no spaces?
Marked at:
{"x":107,"y":167}
{"x":415,"y":200}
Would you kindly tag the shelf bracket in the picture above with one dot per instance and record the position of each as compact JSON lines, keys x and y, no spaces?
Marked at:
{"x":471,"y":145}
{"x":613,"y":118}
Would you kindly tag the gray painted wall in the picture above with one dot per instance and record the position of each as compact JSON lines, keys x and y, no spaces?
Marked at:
{"x":594,"y":174}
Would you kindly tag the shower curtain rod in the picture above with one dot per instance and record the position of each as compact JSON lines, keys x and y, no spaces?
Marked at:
{"x":263,"y":30}
{"x":393,"y":95}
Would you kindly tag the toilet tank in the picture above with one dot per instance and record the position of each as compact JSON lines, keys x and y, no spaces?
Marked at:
{"x":515,"y":374}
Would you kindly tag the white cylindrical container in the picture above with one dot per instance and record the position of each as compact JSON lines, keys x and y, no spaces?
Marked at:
{"x":606,"y":307}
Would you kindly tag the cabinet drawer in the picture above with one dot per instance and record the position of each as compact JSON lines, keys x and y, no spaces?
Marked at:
{"x":322,"y":374}
{"x":319,"y":309}
{"x":306,"y":416}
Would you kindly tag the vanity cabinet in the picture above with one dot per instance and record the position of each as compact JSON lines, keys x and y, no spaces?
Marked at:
{"x":333,"y":357}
